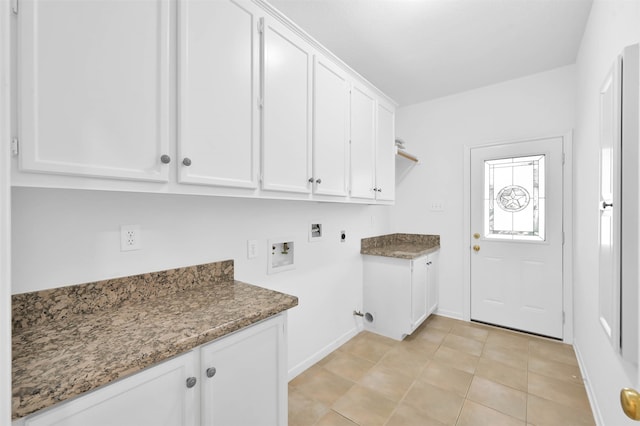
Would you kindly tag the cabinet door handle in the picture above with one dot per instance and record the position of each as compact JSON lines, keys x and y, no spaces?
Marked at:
{"x":311,"y":179}
{"x":191,"y":382}
{"x":165,"y":159}
{"x":186,"y":161}
{"x":211,"y":371}
{"x":318,"y":181}
{"x":379,"y":189}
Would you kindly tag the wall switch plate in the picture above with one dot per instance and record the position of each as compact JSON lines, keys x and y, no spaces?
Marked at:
{"x":130,"y":237}
{"x":437,"y":206}
{"x":252,"y":249}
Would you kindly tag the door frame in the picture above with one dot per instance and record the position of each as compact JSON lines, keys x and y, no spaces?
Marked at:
{"x":567,"y":227}
{"x":6,"y":24}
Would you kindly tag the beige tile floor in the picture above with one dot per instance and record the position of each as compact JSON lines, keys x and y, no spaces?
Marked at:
{"x":448,"y":372}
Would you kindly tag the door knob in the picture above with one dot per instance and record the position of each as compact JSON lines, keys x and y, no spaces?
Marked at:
{"x":630,"y":401}
{"x":476,"y":248}
{"x":211,"y":371}
{"x":476,"y":235}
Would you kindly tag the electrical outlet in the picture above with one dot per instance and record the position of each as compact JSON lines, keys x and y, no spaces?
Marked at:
{"x":130,"y":237}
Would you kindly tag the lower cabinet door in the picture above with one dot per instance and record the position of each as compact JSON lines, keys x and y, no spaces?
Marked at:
{"x":418,"y":292}
{"x":432,"y":283}
{"x":157,"y":396}
{"x":244,"y":379}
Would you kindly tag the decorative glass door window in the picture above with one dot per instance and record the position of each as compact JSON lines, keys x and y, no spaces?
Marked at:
{"x":514,"y":197}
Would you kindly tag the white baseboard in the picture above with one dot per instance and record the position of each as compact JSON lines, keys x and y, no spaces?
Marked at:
{"x":597,"y":415}
{"x":450,"y":314}
{"x":301,"y":367}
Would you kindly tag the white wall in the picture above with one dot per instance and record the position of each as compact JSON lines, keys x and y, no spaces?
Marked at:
{"x":438,"y":131}
{"x":65,"y":237}
{"x":612,"y":25}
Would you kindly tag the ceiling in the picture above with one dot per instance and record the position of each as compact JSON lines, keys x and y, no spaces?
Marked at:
{"x":417,"y":50}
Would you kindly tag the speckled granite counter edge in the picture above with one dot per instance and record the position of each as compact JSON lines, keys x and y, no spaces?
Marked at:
{"x":238,"y":305}
{"x":403,"y":246}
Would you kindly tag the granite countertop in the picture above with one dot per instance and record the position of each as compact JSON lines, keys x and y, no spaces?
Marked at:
{"x":402,"y":246}
{"x":61,"y":350}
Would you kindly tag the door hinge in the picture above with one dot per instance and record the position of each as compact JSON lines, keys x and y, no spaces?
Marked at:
{"x":261,"y":25}
{"x":14,"y":6}
{"x":562,"y":237}
{"x":15,"y":146}
{"x":563,"y":317}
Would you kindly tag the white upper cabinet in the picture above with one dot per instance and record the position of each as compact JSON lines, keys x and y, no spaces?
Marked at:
{"x":218,"y":118}
{"x":286,"y":110}
{"x":330,"y":128}
{"x":93,"y":88}
{"x":385,"y":154}
{"x":363,"y":136}
{"x":210,"y":97}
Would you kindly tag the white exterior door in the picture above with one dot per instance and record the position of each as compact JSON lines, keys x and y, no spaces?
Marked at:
{"x":516,"y":241}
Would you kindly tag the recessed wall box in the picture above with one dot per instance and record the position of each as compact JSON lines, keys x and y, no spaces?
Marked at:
{"x":316,"y":231}
{"x":281,"y":255}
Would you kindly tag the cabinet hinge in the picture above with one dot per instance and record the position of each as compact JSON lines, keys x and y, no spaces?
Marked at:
{"x":15,"y":146}
{"x":14,"y":6}
{"x":260,"y":102}
{"x":562,"y":237}
{"x":261,"y":178}
{"x":261,"y":25}
{"x":563,"y":317}
{"x":564,"y":157}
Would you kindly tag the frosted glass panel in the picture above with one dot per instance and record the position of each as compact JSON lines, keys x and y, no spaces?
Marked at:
{"x":514,"y":198}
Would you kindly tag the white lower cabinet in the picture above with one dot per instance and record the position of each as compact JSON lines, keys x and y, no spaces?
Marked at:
{"x":244,"y":378}
{"x":156,"y":396}
{"x":399,"y":294}
{"x":240,"y":379}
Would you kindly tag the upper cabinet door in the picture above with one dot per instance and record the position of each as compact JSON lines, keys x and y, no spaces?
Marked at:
{"x":330,"y":129}
{"x":93,"y":88}
{"x":218,"y":93}
{"x":286,"y":114}
{"x":385,"y":155}
{"x":363,"y":132}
